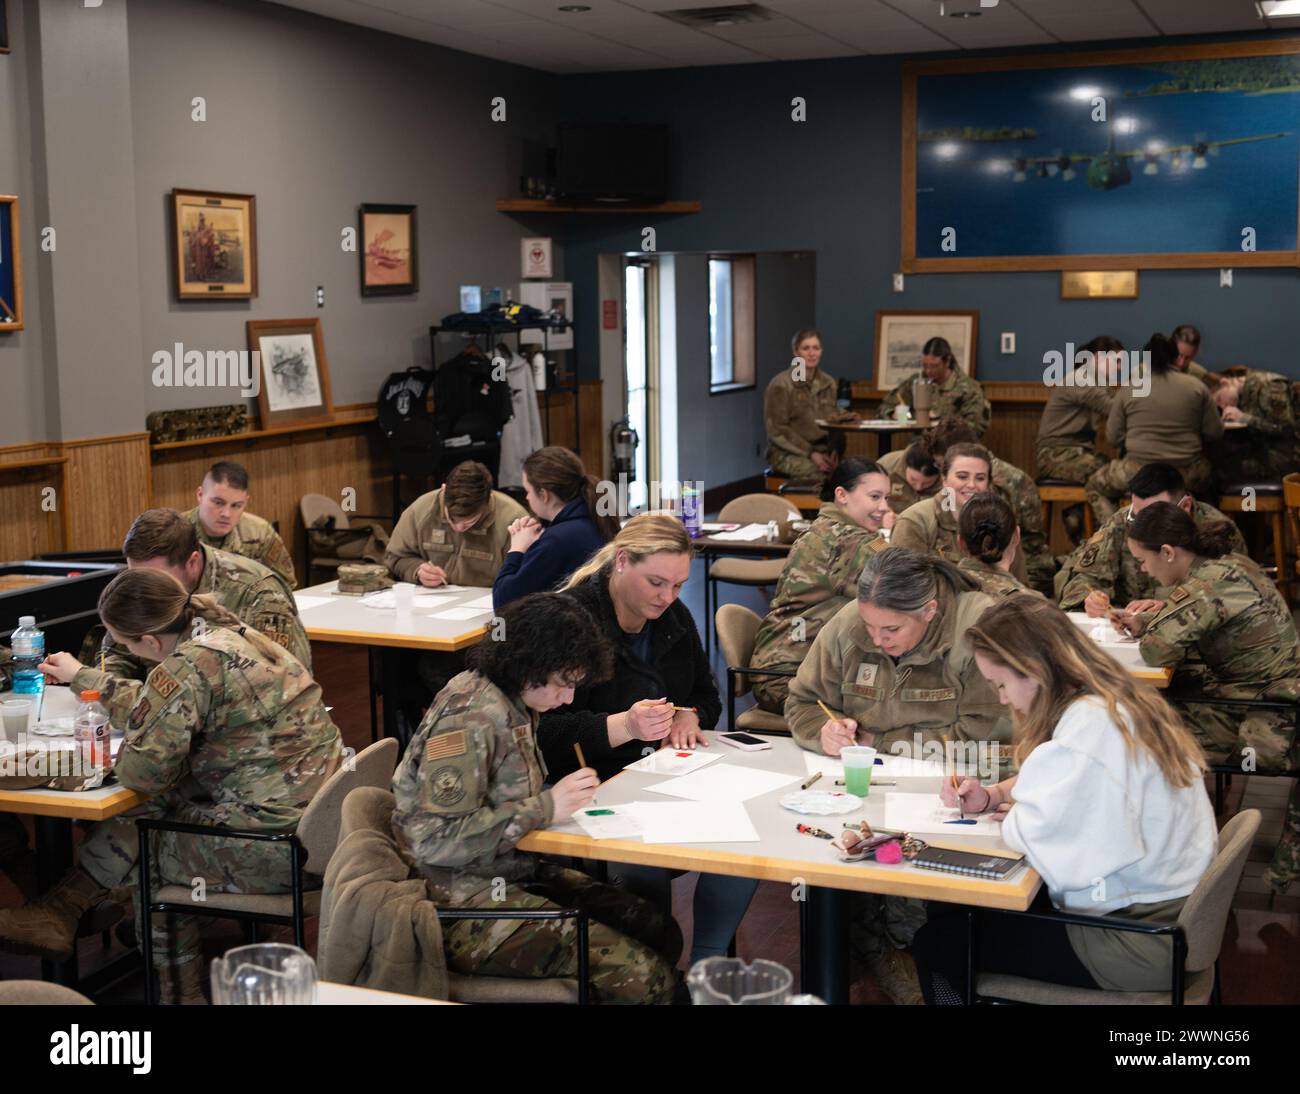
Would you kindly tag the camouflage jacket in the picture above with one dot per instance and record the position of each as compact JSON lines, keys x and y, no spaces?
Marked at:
{"x":994,"y":581}
{"x":228,"y":719}
{"x":253,"y":538}
{"x":958,"y":396}
{"x":473,"y":557}
{"x":258,"y":596}
{"x":1265,"y":403}
{"x":820,"y":576}
{"x":931,"y":528}
{"x":901,"y":494}
{"x":1226,"y":631}
{"x":1074,"y":415}
{"x":469,"y":788}
{"x":1103,"y":563}
{"x":934,"y":689}
{"x":791,"y":408}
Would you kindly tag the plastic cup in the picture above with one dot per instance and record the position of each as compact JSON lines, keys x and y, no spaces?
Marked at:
{"x":858,"y":763}
{"x":404,"y":597}
{"x":902,"y":413}
{"x":15,"y":719}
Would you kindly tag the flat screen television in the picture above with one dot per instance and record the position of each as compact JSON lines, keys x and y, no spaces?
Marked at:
{"x":619,"y":164}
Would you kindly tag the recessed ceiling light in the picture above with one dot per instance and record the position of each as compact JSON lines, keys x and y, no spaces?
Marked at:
{"x":574,"y":8}
{"x":1279,"y":9}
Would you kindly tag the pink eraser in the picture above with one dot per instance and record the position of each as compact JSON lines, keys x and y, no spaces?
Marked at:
{"x":889,"y":853}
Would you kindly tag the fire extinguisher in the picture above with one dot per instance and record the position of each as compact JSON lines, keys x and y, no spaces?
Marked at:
{"x":623,"y":441}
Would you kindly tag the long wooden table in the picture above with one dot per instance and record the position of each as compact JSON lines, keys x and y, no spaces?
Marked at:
{"x":783,"y":854}
{"x":331,"y":616}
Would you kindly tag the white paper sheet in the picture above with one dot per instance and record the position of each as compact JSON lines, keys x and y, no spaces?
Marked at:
{"x":831,"y":767}
{"x":621,"y":825}
{"x":919,"y":813}
{"x":306,"y":603}
{"x":893,"y":766}
{"x":459,"y":612}
{"x":693,"y":822}
{"x":723,"y":783}
{"x":748,"y":533}
{"x":483,"y":602}
{"x":671,"y":761}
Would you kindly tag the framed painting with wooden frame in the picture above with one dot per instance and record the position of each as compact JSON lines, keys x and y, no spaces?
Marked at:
{"x":901,"y":335}
{"x":11,"y":267}
{"x":390,"y":261}
{"x":293,"y":376}
{"x":215,"y":236}
{"x":1158,"y":158}
{"x":4,"y":28}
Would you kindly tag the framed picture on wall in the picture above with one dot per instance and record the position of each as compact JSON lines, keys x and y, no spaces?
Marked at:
{"x":294,"y":377}
{"x":390,"y":262}
{"x":1160,"y":157}
{"x":215,"y":236}
{"x":11,"y":267}
{"x":901,"y":335}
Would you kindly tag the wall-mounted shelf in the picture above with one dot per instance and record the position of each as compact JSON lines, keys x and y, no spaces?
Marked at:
{"x":279,"y":431}
{"x":30,"y":465}
{"x":540,"y":205}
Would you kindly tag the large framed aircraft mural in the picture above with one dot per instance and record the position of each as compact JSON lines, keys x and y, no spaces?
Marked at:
{"x":1179,"y":156}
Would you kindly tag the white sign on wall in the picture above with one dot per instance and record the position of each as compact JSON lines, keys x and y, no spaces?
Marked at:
{"x":536,"y":257}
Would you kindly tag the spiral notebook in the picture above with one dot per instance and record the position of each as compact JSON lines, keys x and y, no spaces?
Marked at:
{"x":987,"y":864}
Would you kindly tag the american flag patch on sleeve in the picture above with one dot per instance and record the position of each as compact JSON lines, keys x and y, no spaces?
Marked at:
{"x":446,"y":745}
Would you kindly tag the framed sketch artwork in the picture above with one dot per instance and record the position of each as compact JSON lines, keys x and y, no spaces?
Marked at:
{"x":390,"y":263}
{"x":216,"y":245}
{"x":294,"y":379}
{"x":901,"y":335}
{"x":11,"y":267}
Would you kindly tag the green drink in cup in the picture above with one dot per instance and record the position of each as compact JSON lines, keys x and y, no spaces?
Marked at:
{"x":858,"y":763}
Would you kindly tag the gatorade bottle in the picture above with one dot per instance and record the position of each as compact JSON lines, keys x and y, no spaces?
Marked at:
{"x":691,"y":509}
{"x":28,"y":645}
{"x":90,"y":731}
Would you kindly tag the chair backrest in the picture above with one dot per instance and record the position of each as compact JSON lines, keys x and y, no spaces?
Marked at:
{"x":736,"y":627}
{"x":1205,"y":914}
{"x":37,"y":993}
{"x":1291,"y":490}
{"x":367,"y":807}
{"x":315,"y":506}
{"x":319,"y":828}
{"x":758,"y":509}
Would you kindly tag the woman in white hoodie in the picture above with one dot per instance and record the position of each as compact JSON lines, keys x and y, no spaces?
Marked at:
{"x":1108,"y":806}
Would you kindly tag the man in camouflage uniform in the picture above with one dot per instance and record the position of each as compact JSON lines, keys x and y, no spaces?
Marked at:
{"x":1228,"y":634}
{"x":1104,"y":569}
{"x":955,"y":395}
{"x":469,"y":788}
{"x":819,"y":578}
{"x":220,"y":521}
{"x":794,"y":400}
{"x":229,"y":730}
{"x":1260,"y":442}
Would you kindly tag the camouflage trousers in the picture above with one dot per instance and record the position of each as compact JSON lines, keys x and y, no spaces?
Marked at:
{"x":633,"y":947}
{"x":202,"y":864}
{"x":879,"y":922}
{"x":1069,"y":462}
{"x":1226,"y":736}
{"x":795,"y":468}
{"x":1106,"y":486}
{"x":770,"y":691}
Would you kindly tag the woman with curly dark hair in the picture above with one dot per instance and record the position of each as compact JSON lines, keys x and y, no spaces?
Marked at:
{"x":471,"y":786}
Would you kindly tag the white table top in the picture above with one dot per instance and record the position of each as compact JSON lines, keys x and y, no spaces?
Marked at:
{"x":1124,"y":649}
{"x":875,"y":425}
{"x":328,"y":616}
{"x":329,"y":994}
{"x":784,"y":854}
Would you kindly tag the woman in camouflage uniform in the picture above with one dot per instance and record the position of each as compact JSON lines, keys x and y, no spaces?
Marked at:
{"x":821,"y":574}
{"x":797,"y":446}
{"x":229,"y":729}
{"x":989,"y":540}
{"x":955,"y":393}
{"x":471,"y":786}
{"x":1229,"y":635}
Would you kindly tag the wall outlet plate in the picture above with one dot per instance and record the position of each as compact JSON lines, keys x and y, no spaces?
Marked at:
{"x":1225,"y":279}
{"x":320,"y":296}
{"x":898,"y":282}
{"x":1008,"y":341}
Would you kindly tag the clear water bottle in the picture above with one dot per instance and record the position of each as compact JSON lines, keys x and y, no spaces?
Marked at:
{"x":90,"y":731}
{"x":691,"y":509}
{"x":844,"y":394}
{"x":28,"y":644}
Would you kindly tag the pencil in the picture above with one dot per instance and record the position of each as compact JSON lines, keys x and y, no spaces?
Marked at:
{"x":693,"y":710}
{"x":827,"y":711}
{"x":811,"y":779}
{"x":582,"y":760}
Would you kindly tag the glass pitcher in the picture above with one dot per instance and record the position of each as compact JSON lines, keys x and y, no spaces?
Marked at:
{"x":268,"y":973}
{"x":724,"y":981}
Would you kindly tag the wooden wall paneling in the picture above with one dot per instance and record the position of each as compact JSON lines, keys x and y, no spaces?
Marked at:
{"x":27,"y":527}
{"x":107,"y":486}
{"x":557,"y":423}
{"x":282,"y":469}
